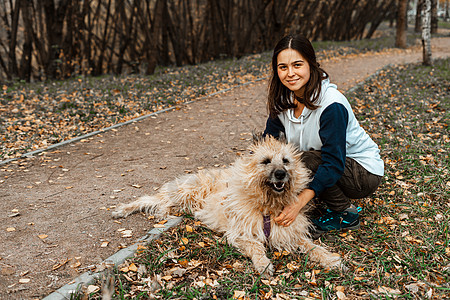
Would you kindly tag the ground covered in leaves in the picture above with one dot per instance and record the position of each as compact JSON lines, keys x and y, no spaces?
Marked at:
{"x":35,"y":116}
{"x":402,"y":250}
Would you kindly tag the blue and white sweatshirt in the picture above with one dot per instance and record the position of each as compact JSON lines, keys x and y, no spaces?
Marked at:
{"x":332,"y":129}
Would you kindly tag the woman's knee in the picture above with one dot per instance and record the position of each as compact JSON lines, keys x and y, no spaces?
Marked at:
{"x":311,"y":159}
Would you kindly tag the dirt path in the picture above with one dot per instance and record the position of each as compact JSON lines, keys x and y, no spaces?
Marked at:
{"x":54,"y":219}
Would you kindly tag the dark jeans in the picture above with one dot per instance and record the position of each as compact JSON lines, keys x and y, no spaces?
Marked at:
{"x":355,"y":183}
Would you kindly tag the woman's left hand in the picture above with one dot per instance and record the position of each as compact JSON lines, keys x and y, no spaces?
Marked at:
{"x":290,"y":212}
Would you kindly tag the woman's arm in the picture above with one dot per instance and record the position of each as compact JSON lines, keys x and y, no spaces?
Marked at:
{"x":333,"y":134}
{"x":333,"y":128}
{"x":273,"y":127}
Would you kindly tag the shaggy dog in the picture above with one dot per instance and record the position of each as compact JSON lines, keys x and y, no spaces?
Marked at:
{"x":242,"y":201}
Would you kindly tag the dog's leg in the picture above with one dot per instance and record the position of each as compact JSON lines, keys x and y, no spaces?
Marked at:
{"x":321,"y":255}
{"x":149,"y":204}
{"x":257,"y":253}
{"x":186,"y":192}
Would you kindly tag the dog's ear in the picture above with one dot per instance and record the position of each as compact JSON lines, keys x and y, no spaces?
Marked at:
{"x":257,"y":137}
{"x":282,"y":138}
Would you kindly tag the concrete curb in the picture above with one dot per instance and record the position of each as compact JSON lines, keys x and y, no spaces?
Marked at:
{"x":115,"y":260}
{"x":87,"y":135}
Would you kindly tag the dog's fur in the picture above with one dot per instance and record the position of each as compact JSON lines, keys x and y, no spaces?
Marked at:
{"x":234,"y":201}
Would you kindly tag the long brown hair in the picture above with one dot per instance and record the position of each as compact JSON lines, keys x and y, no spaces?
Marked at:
{"x":279,"y":98}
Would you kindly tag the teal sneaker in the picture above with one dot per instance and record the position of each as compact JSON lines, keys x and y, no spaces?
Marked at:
{"x":337,"y":221}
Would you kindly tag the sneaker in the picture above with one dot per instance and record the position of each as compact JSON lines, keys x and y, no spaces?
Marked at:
{"x":336,"y":221}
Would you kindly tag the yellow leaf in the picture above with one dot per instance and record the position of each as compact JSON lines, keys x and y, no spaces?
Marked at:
{"x":184,"y":240}
{"x":43,"y":236}
{"x":104,"y":244}
{"x":10,"y":229}
{"x":189,"y":228}
{"x":132,"y":267}
{"x":340,"y":288}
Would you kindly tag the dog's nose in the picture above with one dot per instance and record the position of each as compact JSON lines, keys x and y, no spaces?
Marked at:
{"x":280,"y":174}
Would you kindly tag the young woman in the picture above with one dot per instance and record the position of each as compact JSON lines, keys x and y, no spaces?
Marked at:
{"x":314,"y":115}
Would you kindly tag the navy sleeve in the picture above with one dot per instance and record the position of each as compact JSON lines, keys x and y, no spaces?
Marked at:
{"x":273,"y":127}
{"x":332,"y":132}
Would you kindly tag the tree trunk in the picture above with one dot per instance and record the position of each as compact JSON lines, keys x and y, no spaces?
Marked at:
{"x":12,"y":63}
{"x":400,"y":39}
{"x":426,"y":32}
{"x":434,"y":16}
{"x":25,"y":64}
{"x":418,"y":23}
{"x":446,"y":16}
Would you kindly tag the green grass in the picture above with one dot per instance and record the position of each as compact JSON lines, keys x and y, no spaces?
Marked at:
{"x":402,"y":250}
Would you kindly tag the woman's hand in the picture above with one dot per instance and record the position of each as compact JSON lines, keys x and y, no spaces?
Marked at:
{"x":290,"y":212}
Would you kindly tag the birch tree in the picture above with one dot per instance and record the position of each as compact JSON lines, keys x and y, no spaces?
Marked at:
{"x":426,"y":32}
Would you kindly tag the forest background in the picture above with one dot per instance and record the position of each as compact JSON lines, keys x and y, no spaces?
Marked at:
{"x":57,"y":39}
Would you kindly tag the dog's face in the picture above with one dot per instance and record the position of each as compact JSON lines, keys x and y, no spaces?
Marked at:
{"x":275,"y":165}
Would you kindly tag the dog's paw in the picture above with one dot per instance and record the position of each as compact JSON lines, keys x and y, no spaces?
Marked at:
{"x":264,"y":267}
{"x":336,"y":262}
{"x":119,"y":212}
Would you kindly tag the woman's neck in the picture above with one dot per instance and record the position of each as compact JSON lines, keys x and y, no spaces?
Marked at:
{"x":299,"y":106}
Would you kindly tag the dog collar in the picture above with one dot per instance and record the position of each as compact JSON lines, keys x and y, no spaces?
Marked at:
{"x":266,"y":220}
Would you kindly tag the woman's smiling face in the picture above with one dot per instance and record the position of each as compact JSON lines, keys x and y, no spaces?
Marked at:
{"x":293,"y":71}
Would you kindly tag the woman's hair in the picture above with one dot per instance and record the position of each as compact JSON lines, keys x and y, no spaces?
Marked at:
{"x":279,"y":98}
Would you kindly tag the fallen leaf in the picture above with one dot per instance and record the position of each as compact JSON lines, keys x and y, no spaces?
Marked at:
{"x":10,"y":229}
{"x":59,"y":265}
{"x":127,"y":233}
{"x":75,"y":265}
{"x":132,"y":267}
{"x":238,"y":294}
{"x":92,"y":289}
{"x":24,"y":280}
{"x":166,"y":278}
{"x":43,"y":236}
{"x":341,"y":295}
{"x":388,"y":290}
